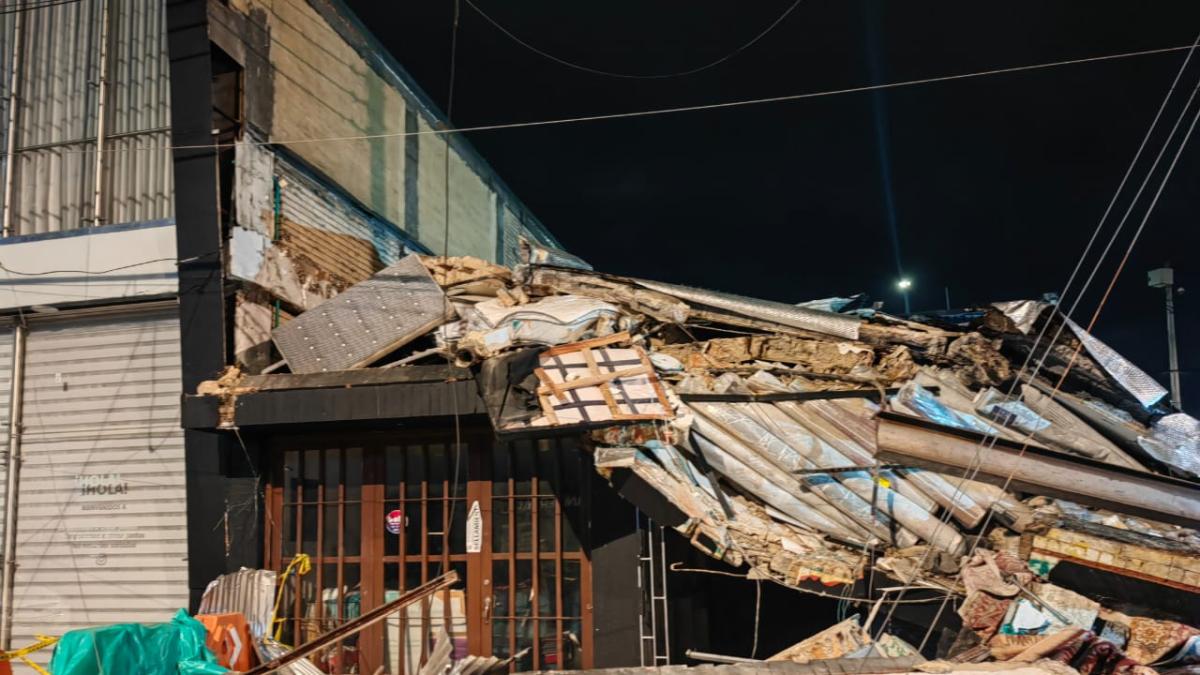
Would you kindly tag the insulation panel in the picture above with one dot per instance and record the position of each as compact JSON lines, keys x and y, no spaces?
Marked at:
{"x":365,"y":322}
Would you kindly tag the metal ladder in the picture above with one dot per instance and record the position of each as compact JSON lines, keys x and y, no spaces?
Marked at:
{"x":652,"y":582}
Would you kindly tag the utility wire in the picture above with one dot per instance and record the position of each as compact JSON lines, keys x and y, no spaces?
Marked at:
{"x":975,"y":465}
{"x":34,"y":6}
{"x":83,"y":272}
{"x":635,"y":76}
{"x":1079,"y":347}
{"x":445,"y":265}
{"x":658,"y":111}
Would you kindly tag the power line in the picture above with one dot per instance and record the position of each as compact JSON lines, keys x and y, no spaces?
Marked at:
{"x":975,"y":465}
{"x":635,"y":76}
{"x":141,"y":263}
{"x":662,"y":111}
{"x":34,"y":6}
{"x":84,"y":272}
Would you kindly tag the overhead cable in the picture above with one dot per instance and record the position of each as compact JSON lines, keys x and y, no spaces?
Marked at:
{"x":976,"y":464}
{"x":636,"y":76}
{"x":656,"y":111}
{"x":34,"y":6}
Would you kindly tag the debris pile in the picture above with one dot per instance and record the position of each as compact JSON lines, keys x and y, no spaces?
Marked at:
{"x":971,"y":453}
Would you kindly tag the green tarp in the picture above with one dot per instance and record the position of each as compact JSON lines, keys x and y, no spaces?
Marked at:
{"x":175,"y":648}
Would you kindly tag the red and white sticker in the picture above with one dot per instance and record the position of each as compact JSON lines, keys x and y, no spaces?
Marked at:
{"x":394,"y":521}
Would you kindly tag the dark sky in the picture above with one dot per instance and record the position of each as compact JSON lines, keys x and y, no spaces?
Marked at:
{"x":996,"y":183}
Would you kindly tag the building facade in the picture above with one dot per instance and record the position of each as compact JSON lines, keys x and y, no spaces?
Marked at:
{"x":167,"y":201}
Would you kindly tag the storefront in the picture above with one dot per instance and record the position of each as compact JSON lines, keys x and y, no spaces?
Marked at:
{"x":379,"y":513}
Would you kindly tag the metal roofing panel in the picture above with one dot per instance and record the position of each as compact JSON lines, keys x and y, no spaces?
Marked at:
{"x":1135,"y":381}
{"x":766,"y":310}
{"x":55,"y":161}
{"x":365,"y":322}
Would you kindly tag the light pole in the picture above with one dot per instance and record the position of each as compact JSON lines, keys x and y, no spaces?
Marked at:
{"x":904,"y":285}
{"x":1164,"y":278}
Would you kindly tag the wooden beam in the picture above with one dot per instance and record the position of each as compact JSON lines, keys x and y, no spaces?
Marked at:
{"x":355,"y":625}
{"x":1039,"y":470}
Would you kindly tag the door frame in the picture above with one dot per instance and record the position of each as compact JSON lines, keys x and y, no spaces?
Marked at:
{"x":479,"y":443}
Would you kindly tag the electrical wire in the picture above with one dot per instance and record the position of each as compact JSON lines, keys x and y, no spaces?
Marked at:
{"x":1095,"y":316}
{"x":34,"y":6}
{"x":445,"y":258}
{"x":976,"y":463}
{"x":634,"y":76}
{"x":85,"y":272}
{"x":655,"y":111}
{"x":676,"y":567}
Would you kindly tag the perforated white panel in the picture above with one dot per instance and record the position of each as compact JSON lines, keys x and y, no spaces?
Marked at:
{"x":365,"y":322}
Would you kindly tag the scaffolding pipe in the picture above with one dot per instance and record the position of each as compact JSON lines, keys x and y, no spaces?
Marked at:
{"x":101,"y":95}
{"x":10,"y":166}
{"x":13,"y":460}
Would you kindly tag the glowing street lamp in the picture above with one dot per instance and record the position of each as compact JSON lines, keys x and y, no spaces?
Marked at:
{"x":904,"y":285}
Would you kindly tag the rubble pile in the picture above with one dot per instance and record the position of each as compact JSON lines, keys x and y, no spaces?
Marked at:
{"x":968,"y":452}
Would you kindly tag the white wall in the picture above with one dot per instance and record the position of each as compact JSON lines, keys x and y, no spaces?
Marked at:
{"x":82,"y":266}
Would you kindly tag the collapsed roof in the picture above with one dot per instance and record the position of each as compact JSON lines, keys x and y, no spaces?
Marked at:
{"x":809,"y":444}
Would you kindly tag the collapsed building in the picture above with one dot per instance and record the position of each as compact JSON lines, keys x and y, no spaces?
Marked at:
{"x":627,"y":472}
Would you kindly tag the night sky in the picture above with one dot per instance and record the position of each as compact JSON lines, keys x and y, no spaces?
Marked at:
{"x":991,"y":185}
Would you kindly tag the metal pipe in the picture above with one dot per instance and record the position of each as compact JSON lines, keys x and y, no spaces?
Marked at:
{"x":1173,"y":350}
{"x":101,"y":94}
{"x":15,"y":401}
{"x":10,"y":166}
{"x":717,"y":658}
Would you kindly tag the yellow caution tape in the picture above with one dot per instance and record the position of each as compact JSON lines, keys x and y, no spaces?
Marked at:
{"x":301,"y":565}
{"x":23,"y":653}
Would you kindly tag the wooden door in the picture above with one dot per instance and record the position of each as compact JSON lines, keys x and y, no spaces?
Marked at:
{"x":537,"y":577}
{"x":384,"y":513}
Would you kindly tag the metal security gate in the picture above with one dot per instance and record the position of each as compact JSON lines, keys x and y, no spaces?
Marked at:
{"x":382,"y":513}
{"x":101,"y":529}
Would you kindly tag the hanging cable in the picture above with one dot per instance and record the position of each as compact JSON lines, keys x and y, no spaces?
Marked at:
{"x":445,"y":266}
{"x":653,"y":112}
{"x":635,"y":76}
{"x":34,"y":6}
{"x":971,"y":471}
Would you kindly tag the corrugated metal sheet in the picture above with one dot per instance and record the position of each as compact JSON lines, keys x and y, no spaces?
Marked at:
{"x":249,"y":592}
{"x":332,"y":232}
{"x":6,"y":341}
{"x":766,"y":310}
{"x":57,"y":116}
{"x":101,"y":529}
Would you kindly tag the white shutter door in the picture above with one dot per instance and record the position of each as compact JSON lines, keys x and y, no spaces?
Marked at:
{"x":6,"y":343}
{"x":101,"y":535}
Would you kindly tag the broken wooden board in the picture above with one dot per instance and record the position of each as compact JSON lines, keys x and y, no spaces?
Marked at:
{"x":597,"y":381}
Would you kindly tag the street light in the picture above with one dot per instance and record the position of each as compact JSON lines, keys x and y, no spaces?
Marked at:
{"x":904,"y":284}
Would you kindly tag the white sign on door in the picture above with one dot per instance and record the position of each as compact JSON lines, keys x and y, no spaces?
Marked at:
{"x":475,"y":529}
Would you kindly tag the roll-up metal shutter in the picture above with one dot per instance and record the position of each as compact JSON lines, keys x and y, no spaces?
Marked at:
{"x":6,"y":343}
{"x":101,"y":530}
